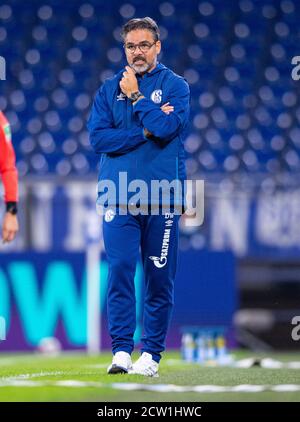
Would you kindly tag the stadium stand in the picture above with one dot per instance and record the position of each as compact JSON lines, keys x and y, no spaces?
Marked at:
{"x":235,"y":55}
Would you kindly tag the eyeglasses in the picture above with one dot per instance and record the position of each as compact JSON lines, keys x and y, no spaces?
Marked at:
{"x":144,"y":47}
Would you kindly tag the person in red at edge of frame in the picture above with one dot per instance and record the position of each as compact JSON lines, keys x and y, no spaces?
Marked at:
{"x":9,"y":176}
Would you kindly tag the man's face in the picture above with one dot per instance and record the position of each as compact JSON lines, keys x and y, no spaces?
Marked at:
{"x":141,"y":61}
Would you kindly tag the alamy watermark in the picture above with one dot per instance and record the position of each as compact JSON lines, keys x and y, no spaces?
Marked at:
{"x":2,"y":69}
{"x":153,"y":198}
{"x":2,"y":329}
{"x":296,"y":329}
{"x":296,"y":69}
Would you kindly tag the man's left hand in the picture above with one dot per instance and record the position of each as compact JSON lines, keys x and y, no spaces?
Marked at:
{"x":10,"y":227}
{"x":129,"y":83}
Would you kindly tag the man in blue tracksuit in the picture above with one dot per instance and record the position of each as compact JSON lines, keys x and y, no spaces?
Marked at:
{"x":138,"y":123}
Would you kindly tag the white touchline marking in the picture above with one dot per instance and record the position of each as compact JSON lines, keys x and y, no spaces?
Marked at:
{"x":71,"y":383}
{"x":247,"y":388}
{"x":285,"y":387}
{"x":33,"y":375}
{"x":163,"y":388}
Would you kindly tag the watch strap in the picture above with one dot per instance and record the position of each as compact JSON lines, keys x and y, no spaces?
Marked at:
{"x":135,"y":95}
{"x":12,"y":207}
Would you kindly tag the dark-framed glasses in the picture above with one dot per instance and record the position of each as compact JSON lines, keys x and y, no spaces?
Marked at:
{"x":144,"y":47}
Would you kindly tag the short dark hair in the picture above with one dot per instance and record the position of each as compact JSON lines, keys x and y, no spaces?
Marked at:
{"x":141,"y":23}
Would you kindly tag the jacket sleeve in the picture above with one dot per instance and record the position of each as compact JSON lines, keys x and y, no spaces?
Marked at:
{"x":8,"y":169}
{"x":161,"y":125}
{"x":104,"y":137}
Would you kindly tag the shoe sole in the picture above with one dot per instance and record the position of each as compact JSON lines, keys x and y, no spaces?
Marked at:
{"x":117,"y":370}
{"x":132,"y":372}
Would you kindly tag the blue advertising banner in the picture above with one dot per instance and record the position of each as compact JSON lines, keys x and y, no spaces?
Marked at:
{"x":45,"y":295}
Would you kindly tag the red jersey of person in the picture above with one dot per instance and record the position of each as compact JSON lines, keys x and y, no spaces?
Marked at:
{"x":8,"y":171}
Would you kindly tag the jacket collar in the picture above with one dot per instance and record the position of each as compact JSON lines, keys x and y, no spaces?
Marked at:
{"x":158,"y":68}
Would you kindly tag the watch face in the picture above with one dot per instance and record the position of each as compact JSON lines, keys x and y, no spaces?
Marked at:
{"x":135,"y":95}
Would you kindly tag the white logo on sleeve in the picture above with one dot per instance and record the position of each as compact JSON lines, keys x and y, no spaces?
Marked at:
{"x":109,"y":216}
{"x":121,"y":97}
{"x":156,"y":96}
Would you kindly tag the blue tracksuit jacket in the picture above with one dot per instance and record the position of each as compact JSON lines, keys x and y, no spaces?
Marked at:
{"x":116,"y":129}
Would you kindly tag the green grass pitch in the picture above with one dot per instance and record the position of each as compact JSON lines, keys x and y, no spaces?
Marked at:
{"x":34,"y":377}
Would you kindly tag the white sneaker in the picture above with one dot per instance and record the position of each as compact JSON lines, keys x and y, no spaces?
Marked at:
{"x":145,"y":365}
{"x":121,"y":363}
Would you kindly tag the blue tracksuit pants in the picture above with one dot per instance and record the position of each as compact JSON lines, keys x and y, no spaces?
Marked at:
{"x":157,"y":237}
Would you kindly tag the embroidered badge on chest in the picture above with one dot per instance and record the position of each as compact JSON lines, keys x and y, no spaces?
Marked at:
{"x":109,"y":215}
{"x":156,"y":96}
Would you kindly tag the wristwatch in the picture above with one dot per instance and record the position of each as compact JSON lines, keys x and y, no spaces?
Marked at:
{"x":135,"y":95}
{"x":12,"y":207}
